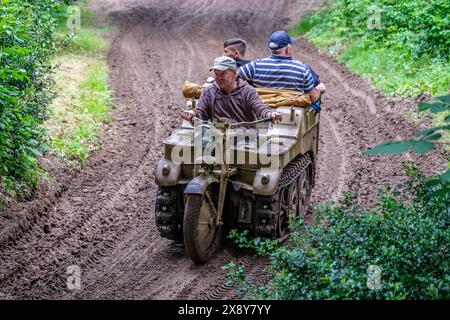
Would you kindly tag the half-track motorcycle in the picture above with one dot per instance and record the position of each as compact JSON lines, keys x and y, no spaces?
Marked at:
{"x":221,"y":175}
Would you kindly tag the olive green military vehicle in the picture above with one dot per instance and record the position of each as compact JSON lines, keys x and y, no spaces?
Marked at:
{"x":220,"y":175}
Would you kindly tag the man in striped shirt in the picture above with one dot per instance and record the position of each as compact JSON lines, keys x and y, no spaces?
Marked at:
{"x":281,"y":71}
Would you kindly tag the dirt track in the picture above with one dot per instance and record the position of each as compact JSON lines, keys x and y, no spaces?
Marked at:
{"x":102,"y":217}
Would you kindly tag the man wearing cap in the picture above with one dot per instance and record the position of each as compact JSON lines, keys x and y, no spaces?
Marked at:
{"x":281,"y":71}
{"x":235,"y":48}
{"x":229,"y":97}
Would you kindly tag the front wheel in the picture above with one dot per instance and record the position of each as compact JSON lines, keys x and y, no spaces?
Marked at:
{"x":201,"y":235}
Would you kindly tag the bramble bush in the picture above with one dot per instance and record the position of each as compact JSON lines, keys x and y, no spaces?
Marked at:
{"x":26,"y":46}
{"x":407,"y":237}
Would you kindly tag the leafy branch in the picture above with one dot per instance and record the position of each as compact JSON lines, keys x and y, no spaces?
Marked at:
{"x":425,"y":141}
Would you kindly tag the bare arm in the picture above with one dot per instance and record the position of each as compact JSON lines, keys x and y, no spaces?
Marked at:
{"x":321,"y":87}
{"x":314,"y":95}
{"x":260,"y":109}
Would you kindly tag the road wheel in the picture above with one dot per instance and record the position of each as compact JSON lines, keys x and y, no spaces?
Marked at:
{"x":289,"y":204}
{"x":294,"y":200}
{"x":304,"y":190}
{"x":202,"y":237}
{"x":283,"y":212}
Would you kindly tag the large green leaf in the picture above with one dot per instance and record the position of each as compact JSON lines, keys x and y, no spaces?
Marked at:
{"x":442,"y":192}
{"x":396,"y":147}
{"x":431,"y":130}
{"x":445,"y":177}
{"x":435,"y":136}
{"x":422,"y":147}
{"x":424,"y":106}
{"x":439,"y":107}
{"x":445,"y":98}
{"x":433,"y":182}
{"x":442,"y":104}
{"x":434,"y":107}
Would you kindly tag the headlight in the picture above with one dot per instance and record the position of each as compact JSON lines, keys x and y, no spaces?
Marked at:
{"x":166,"y":169}
{"x":265,"y":179}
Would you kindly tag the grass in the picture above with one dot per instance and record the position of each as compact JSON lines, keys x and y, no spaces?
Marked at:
{"x":393,"y":69}
{"x":80,"y":108}
{"x":83,"y":96}
{"x":88,"y":41}
{"x":313,"y":27}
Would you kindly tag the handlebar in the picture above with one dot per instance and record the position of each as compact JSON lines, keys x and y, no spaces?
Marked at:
{"x":268,"y":119}
{"x":236,"y":124}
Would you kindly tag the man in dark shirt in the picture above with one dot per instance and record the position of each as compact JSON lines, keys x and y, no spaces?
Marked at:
{"x":229,"y":97}
{"x":235,"y":48}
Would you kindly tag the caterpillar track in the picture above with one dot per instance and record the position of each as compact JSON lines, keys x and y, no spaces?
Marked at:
{"x":271,"y":211}
{"x":169,"y":213}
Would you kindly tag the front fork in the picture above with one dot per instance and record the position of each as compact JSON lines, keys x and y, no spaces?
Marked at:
{"x":222,"y":192}
{"x":225,"y":174}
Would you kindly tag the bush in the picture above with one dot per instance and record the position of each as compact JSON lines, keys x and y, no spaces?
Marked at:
{"x":406,"y":238}
{"x":422,"y":26}
{"x":26,"y":45}
{"x":405,"y":52}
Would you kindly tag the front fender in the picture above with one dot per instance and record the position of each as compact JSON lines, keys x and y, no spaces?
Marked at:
{"x":199,"y":184}
{"x":272,"y":175}
{"x":169,"y":179}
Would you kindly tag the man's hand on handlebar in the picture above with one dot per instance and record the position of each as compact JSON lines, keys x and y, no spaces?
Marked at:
{"x":187,"y":114}
{"x":271,"y":116}
{"x":276,"y":116}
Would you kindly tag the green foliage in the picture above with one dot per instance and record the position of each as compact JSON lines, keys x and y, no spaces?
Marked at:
{"x":75,"y":142}
{"x":406,"y":51}
{"x":84,"y":99}
{"x":426,"y":142}
{"x":306,"y":24}
{"x":406,"y":238}
{"x":86,"y":40}
{"x":26,"y":45}
{"x":30,"y":34}
{"x":395,"y":71}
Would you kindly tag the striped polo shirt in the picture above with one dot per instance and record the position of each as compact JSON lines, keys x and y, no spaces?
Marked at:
{"x":278,"y":72}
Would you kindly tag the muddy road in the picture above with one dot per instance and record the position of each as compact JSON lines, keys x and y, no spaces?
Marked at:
{"x":101,"y":218}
